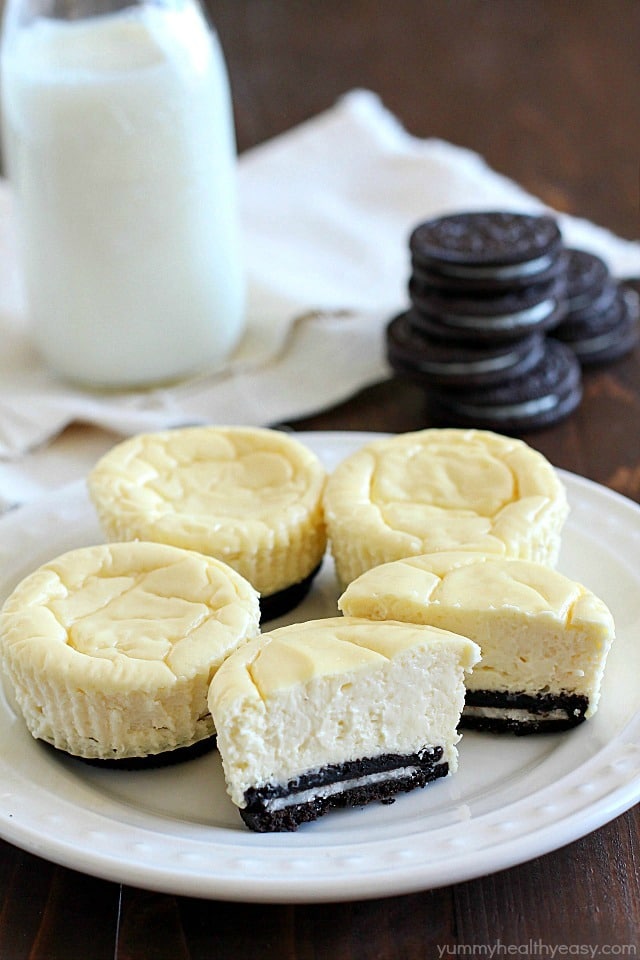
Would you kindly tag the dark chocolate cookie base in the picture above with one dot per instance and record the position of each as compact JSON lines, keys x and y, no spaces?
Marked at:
{"x":283,"y":601}
{"x":572,"y":705}
{"x":256,"y":815}
{"x":151,"y":761}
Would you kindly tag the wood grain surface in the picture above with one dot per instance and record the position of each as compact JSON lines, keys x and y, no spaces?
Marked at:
{"x":548,"y":92}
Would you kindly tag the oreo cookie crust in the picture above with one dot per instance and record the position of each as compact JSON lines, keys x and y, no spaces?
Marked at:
{"x":283,"y":601}
{"x":429,"y":360}
{"x":506,"y":711}
{"x":351,"y":784}
{"x":547,"y":394}
{"x":506,"y":316}
{"x":487,"y":250}
{"x":169,"y":758}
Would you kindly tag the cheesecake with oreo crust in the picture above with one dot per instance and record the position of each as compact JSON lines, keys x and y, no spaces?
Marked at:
{"x":544,"y":637}
{"x":337,"y":713}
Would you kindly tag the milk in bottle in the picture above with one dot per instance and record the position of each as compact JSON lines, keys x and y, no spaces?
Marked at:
{"x":118,"y":136}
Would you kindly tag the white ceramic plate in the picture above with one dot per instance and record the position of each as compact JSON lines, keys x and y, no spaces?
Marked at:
{"x":175,"y":830}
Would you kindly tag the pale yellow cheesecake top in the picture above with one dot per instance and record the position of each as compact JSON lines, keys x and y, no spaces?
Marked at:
{"x":465,"y":580}
{"x":127,"y":616}
{"x":443,"y":489}
{"x":233,"y":483}
{"x":302,"y":652}
{"x":539,"y":631}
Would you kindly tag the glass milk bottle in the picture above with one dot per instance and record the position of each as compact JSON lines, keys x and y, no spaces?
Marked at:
{"x":119,"y":143}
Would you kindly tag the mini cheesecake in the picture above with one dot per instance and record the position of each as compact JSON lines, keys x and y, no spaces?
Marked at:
{"x":337,"y":713}
{"x":251,"y":497}
{"x":544,"y":638}
{"x":111,"y":649}
{"x":443,"y":489}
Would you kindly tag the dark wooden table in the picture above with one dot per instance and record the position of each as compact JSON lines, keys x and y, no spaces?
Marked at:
{"x":548,"y":92}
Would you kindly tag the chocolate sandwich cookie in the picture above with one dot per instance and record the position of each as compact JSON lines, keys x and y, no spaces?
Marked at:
{"x":548,"y":393}
{"x":490,"y":250}
{"x":588,"y":278}
{"x":506,"y":711}
{"x":354,"y":783}
{"x":594,"y":308}
{"x":602,"y":336}
{"x":504,"y":316}
{"x":428,"y":360}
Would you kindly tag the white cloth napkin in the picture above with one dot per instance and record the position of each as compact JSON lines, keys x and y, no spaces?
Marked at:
{"x":326,"y":213}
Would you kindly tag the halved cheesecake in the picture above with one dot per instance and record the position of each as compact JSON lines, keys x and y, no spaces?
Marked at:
{"x":544,"y":638}
{"x":337,"y":712}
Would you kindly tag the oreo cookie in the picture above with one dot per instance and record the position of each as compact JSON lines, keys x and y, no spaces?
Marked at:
{"x":428,"y":361}
{"x":354,"y":783}
{"x":547,"y":394}
{"x":507,"y":711}
{"x":599,"y":336}
{"x":487,"y":250}
{"x":505,"y":316}
{"x":587,"y":275}
{"x":488,"y":291}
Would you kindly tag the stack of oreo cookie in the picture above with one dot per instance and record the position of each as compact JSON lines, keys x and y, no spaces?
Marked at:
{"x":485,"y":290}
{"x":601,"y":321}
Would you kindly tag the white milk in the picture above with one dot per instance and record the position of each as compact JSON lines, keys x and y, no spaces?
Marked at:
{"x":119,"y":141}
